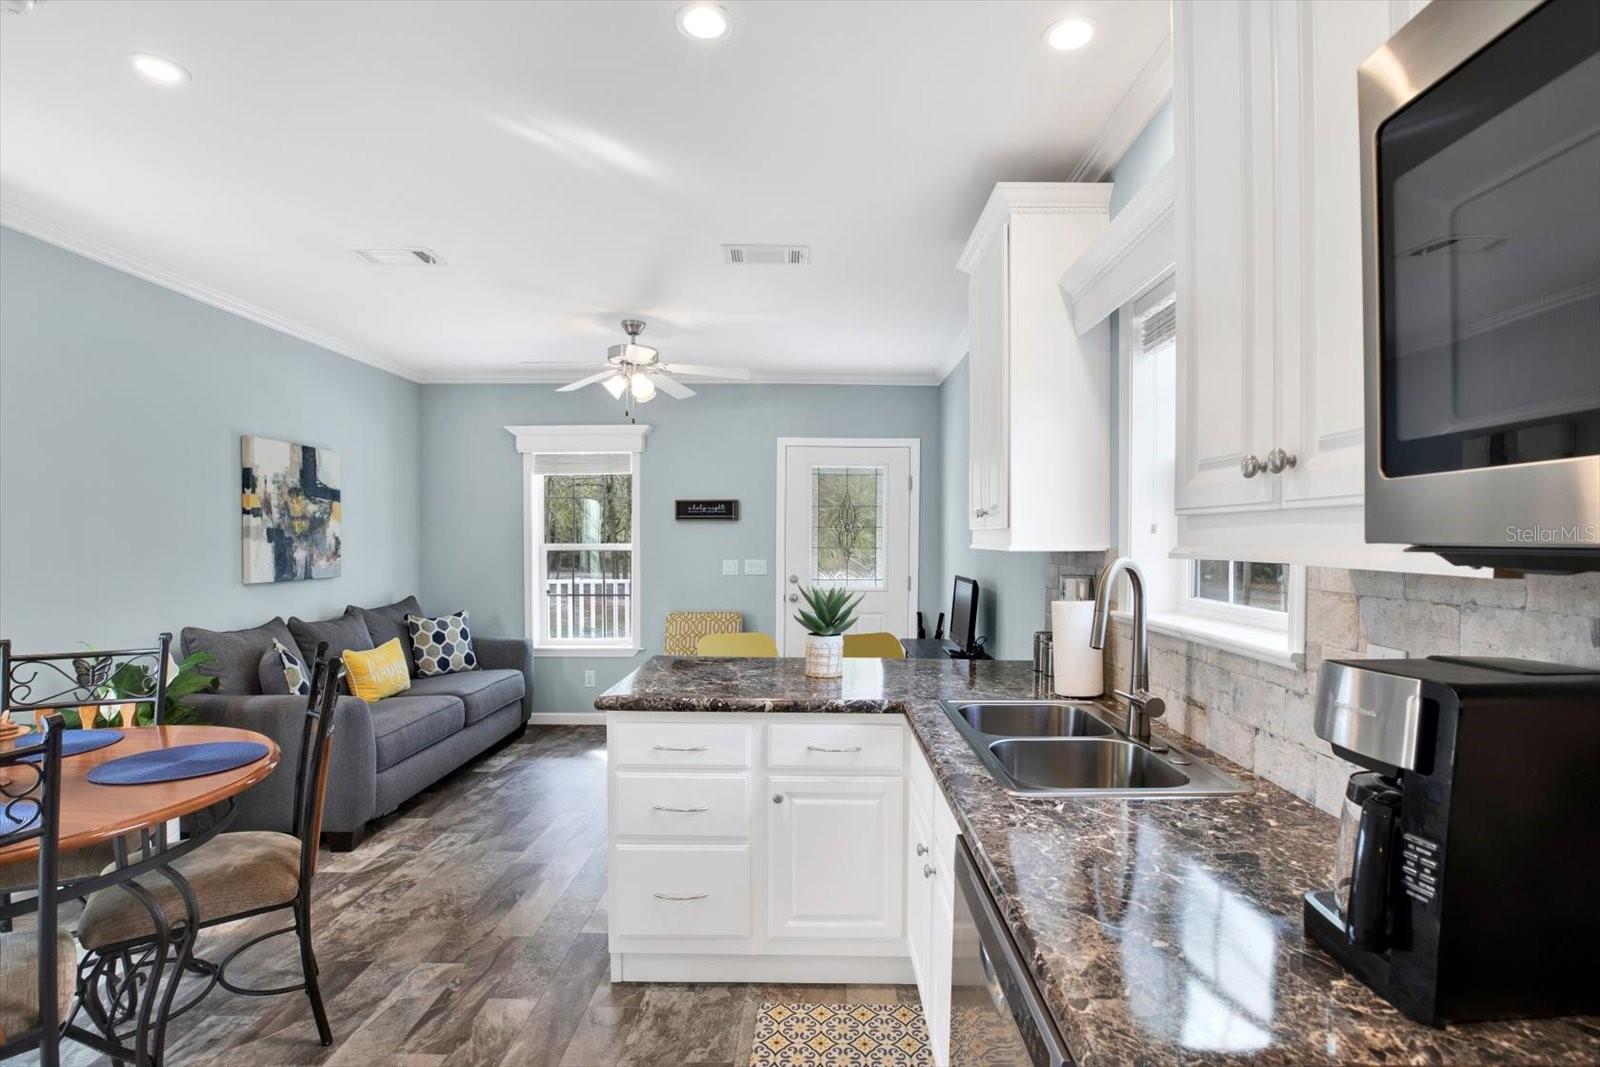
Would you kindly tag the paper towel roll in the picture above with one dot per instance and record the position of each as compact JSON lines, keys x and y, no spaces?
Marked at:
{"x":1079,"y":669}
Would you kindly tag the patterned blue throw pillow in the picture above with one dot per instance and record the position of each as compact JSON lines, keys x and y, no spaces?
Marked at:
{"x":295,"y":674}
{"x":442,"y":645}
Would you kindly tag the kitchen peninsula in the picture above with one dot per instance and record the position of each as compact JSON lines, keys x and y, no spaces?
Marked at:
{"x":1155,"y":930}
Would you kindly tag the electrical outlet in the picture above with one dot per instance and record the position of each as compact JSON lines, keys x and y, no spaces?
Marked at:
{"x":730,"y":566}
{"x":588,"y":679}
{"x":755,"y":566}
{"x":1384,"y":652}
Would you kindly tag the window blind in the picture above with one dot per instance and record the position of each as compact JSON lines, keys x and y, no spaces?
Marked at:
{"x":582,"y":463}
{"x":1158,"y":325}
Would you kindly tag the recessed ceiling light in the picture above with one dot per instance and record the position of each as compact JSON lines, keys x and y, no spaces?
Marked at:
{"x":159,"y":68}
{"x":703,"y":22}
{"x":1069,"y":34}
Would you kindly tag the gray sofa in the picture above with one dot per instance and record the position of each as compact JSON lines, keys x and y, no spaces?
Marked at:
{"x":384,"y":752}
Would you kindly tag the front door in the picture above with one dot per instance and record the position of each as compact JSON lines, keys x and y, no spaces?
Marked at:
{"x":846,"y":518}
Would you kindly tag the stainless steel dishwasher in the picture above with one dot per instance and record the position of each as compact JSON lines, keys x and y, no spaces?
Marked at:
{"x":997,"y":1017}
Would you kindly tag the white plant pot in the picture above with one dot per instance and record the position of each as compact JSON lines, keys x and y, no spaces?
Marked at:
{"x":824,"y":656}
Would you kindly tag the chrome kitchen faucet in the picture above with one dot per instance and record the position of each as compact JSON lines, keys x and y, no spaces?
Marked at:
{"x":1142,"y":707}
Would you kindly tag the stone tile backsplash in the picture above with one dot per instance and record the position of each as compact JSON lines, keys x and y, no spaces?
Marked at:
{"x":1259,"y":714}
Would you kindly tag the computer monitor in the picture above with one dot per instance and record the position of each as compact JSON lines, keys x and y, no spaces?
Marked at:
{"x":964,"y":617}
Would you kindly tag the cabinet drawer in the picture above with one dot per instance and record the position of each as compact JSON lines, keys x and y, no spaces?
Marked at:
{"x":834,"y":746}
{"x":674,"y":744}
{"x":660,"y":891}
{"x":682,"y":805}
{"x":920,"y":782}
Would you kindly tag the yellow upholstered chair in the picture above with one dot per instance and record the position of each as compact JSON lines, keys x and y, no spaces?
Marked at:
{"x":686,"y":628}
{"x":873,"y":646}
{"x":748,"y":646}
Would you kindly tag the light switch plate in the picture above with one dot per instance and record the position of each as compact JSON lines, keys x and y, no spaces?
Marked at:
{"x":1384,"y":652}
{"x":730,"y":566}
{"x":755,"y":566}
{"x":588,"y":679}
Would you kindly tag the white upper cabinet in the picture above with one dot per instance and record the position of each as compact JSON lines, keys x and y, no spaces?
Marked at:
{"x":1039,"y":450}
{"x":1222,"y":93}
{"x":1268,"y":222}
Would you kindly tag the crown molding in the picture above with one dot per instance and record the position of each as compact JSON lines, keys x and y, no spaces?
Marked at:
{"x":1131,"y":115}
{"x":1136,"y":249}
{"x":1031,"y":198}
{"x":536,"y":376}
{"x":52,"y":233}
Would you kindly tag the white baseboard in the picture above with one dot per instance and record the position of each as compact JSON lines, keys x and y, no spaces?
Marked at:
{"x":810,"y":970}
{"x":567,"y":718}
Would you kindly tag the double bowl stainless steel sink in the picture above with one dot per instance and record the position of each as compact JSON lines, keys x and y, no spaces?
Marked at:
{"x":1066,"y":749}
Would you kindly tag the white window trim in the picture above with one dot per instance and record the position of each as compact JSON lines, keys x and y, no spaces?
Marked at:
{"x":576,"y":440}
{"x":1279,"y":640}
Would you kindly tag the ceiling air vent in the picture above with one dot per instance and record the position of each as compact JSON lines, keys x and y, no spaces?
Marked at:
{"x":399,"y":257}
{"x":766,"y":255}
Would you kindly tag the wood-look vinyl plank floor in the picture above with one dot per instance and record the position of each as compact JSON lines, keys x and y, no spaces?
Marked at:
{"x":469,"y":930}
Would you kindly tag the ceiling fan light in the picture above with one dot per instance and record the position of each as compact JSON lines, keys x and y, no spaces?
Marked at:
{"x":642,"y":388}
{"x":615,"y":385}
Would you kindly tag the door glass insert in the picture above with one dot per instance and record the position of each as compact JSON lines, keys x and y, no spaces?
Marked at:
{"x":847,"y":526}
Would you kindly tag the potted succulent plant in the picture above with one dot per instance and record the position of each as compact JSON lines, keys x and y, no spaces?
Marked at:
{"x":827,"y":615}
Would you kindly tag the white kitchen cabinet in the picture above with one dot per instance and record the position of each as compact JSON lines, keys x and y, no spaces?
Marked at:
{"x":1268,"y":224}
{"x":758,"y":848}
{"x":930,"y":899}
{"x":834,"y":864}
{"x":1039,"y":390}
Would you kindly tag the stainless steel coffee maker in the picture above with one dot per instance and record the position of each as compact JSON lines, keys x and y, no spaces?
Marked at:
{"x":1467,"y":868}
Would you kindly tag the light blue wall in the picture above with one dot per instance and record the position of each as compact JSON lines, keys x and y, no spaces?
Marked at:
{"x":1147,"y":154}
{"x":121,"y":406}
{"x":722,"y":443}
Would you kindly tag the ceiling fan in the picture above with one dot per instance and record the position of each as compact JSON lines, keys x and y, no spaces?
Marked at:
{"x":637,"y":370}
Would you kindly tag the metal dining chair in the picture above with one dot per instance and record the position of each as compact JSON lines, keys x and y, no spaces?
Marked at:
{"x":237,"y":875}
{"x":39,"y":683}
{"x":35,"y":965}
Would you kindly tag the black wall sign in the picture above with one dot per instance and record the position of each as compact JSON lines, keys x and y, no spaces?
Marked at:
{"x":724,"y":510}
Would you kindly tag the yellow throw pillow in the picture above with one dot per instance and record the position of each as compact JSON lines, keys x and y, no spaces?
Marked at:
{"x":379,"y":673}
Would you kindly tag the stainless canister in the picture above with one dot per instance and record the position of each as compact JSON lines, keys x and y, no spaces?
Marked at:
{"x":1043,"y":653}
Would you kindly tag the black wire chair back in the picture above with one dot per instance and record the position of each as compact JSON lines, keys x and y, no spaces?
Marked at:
{"x":70,"y":681}
{"x":30,"y":786}
{"x":311,"y":769}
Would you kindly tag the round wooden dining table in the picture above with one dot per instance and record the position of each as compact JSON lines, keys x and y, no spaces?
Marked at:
{"x":92,"y":814}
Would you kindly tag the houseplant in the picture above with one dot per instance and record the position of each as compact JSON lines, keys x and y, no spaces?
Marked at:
{"x":827,"y":615}
{"x":132,"y":680}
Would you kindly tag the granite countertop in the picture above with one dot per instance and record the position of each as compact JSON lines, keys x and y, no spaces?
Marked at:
{"x":1157,"y":931}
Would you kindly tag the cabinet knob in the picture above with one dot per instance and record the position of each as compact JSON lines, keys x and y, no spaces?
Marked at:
{"x":777,"y":798}
{"x":927,"y":870}
{"x":1279,"y":461}
{"x":980,"y":512}
{"x":922,"y":850}
{"x":1250,"y":466}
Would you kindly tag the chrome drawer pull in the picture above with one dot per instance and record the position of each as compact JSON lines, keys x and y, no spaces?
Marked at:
{"x":680,"y":896}
{"x":927,"y":871}
{"x":820,"y":748}
{"x":680,"y":748}
{"x":682,"y":811}
{"x":922,"y":850}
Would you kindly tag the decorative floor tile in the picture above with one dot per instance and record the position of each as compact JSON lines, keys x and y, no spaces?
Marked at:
{"x":819,"y":1035}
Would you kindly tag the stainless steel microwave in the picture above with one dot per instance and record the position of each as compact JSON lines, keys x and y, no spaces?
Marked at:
{"x":1480,"y":200}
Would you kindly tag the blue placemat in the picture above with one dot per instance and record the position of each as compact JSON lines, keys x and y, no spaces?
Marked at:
{"x":73,"y":742}
{"x":177,"y":763}
{"x":18,"y":815}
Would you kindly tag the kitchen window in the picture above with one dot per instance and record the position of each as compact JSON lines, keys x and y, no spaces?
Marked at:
{"x":1250,"y":607}
{"x":581,"y":500}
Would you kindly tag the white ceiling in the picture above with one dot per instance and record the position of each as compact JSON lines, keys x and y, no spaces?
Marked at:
{"x":571,"y":163}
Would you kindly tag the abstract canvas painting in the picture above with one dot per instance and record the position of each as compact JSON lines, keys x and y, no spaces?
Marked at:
{"x":291,"y":511}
